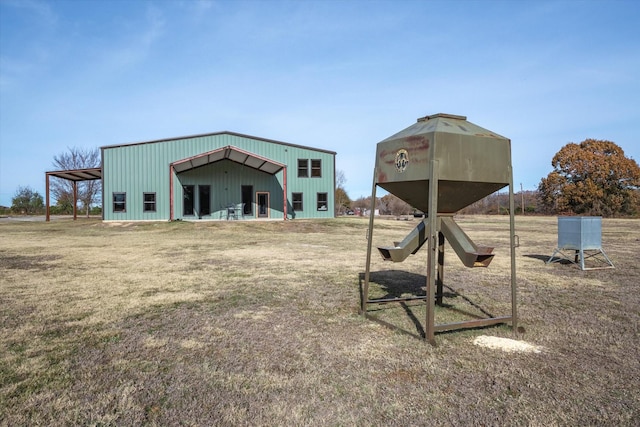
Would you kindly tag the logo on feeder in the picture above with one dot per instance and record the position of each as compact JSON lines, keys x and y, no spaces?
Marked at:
{"x":402,"y":160}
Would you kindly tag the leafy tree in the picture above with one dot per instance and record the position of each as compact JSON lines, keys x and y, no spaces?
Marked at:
{"x":63,"y":207}
{"x":342,"y":200}
{"x":88,"y":191}
{"x":592,"y":178}
{"x":27,"y":201}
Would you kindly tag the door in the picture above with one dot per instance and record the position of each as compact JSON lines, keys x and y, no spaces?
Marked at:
{"x":187,"y":199}
{"x":247,"y":200}
{"x":204,"y":196}
{"x":263,"y":204}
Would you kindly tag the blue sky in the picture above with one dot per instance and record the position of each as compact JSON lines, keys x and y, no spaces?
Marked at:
{"x":336,"y":75}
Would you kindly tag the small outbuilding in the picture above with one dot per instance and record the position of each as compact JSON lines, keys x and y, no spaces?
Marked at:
{"x":222,"y":175}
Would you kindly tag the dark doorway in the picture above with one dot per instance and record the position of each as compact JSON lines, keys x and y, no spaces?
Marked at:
{"x":204,"y":194}
{"x":263,"y":205}
{"x":187,"y":200}
{"x":247,"y":200}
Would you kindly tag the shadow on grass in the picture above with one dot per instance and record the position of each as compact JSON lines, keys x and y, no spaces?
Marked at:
{"x":545,"y":258}
{"x":409,"y":290}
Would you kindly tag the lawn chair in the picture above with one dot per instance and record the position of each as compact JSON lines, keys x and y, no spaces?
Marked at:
{"x":232,"y":212}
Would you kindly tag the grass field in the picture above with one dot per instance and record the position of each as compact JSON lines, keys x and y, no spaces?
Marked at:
{"x":257,"y":323}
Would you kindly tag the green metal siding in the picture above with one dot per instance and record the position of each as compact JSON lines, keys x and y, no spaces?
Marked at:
{"x":139,"y":168}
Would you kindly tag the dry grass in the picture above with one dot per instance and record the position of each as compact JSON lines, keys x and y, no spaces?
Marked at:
{"x":256,"y":323}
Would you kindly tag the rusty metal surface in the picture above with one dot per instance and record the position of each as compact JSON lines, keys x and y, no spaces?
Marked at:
{"x":409,"y":245}
{"x":472,"y":323}
{"x":473,"y":162}
{"x":470,"y":254}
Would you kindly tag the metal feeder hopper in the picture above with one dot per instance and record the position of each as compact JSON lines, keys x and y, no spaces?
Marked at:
{"x":440,"y":165}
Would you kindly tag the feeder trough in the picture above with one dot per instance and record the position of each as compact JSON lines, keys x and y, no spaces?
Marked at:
{"x":439,"y":165}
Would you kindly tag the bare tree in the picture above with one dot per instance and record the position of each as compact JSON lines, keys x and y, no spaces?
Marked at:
{"x":340,"y":179}
{"x":342,"y":200}
{"x":88,"y":191}
{"x":395,"y":206}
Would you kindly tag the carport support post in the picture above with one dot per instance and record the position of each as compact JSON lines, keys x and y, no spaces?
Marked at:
{"x":75,"y":200}
{"x":47,"y":197}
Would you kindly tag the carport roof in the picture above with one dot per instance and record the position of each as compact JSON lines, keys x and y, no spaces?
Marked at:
{"x":232,"y":153}
{"x":88,"y":174}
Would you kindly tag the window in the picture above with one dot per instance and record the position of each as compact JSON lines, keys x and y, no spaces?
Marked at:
{"x":119,"y":202}
{"x":296,"y":201}
{"x":316,"y":168}
{"x":149,"y":202}
{"x":303,"y":168}
{"x":187,"y":200}
{"x":263,"y":204}
{"x":323,"y":203}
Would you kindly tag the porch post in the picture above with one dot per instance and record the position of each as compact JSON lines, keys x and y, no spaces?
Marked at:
{"x":284,"y":191}
{"x":171,"y":192}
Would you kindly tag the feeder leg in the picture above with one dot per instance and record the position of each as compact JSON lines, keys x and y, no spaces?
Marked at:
{"x":440,"y":280}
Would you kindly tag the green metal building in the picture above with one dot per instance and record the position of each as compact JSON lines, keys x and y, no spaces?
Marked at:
{"x":214,"y":176}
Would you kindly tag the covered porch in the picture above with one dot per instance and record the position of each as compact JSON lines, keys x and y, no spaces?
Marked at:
{"x":224,"y":207}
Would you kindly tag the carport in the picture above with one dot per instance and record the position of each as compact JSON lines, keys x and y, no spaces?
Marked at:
{"x":73,"y":175}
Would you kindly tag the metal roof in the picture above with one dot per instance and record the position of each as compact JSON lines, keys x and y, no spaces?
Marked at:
{"x":241,"y":135}
{"x":232,"y":153}
{"x":89,"y":174}
{"x":444,"y":123}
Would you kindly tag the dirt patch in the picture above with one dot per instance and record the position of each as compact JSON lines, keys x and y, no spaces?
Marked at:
{"x":26,"y":262}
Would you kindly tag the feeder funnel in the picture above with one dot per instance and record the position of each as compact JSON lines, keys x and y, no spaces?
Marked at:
{"x":473,"y":162}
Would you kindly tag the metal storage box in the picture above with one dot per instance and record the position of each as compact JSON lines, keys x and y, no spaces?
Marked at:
{"x":580,"y":232}
{"x":582,"y":236}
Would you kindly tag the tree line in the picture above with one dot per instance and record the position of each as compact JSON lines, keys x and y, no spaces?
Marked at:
{"x":593,"y":177}
{"x":27,"y":201}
